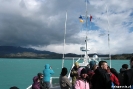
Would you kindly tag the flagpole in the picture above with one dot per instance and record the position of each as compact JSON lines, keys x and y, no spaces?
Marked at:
{"x":64,"y":42}
{"x":108,"y":36}
{"x":86,"y":27}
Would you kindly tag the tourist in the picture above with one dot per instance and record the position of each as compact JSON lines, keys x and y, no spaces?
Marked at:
{"x":90,"y":75}
{"x":81,"y":83}
{"x":40,"y":77}
{"x":113,"y":78}
{"x":113,"y":70}
{"x":92,"y":64}
{"x":101,"y":79}
{"x":121,"y":74}
{"x":63,"y":80}
{"x":74,"y":73}
{"x":128,"y":76}
{"x":47,"y":74}
{"x":38,"y":82}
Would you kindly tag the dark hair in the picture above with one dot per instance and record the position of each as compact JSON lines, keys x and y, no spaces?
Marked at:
{"x":87,"y":69}
{"x":114,"y":72}
{"x":83,"y":71}
{"x":64,"y":71}
{"x":39,"y":75}
{"x":101,"y":63}
{"x":14,"y":87}
{"x":125,"y":66}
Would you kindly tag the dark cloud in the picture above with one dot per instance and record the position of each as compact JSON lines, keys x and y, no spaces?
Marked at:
{"x":43,"y":27}
{"x":42,"y":22}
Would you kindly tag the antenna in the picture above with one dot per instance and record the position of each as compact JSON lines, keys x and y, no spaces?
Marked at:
{"x":86,"y":16}
{"x":108,"y":36}
{"x":64,"y":42}
{"x":86,"y":57}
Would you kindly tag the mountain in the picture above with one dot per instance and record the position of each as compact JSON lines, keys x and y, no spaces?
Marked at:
{"x":14,"y":49}
{"x":21,"y":52}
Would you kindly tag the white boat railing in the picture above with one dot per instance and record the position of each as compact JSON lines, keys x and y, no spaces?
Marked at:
{"x":51,"y":80}
{"x":82,"y":64}
{"x":30,"y":87}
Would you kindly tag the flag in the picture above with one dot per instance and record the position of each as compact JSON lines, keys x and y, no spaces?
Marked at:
{"x":81,"y":19}
{"x":90,"y":17}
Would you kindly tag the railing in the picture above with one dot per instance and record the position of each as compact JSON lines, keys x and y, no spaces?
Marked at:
{"x":29,"y":87}
{"x":51,"y":79}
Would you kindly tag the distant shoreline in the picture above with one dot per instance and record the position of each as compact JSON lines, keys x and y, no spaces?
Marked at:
{"x":51,"y":58}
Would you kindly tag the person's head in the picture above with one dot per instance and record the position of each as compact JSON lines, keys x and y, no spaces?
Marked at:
{"x":47,"y":66}
{"x":83,"y":73}
{"x":114,"y":71}
{"x":99,"y":64}
{"x":76,"y":65}
{"x":131,"y":62}
{"x":14,"y":87}
{"x":103,"y":65}
{"x":122,"y":70}
{"x":125,"y":66}
{"x":92,"y":64}
{"x":40,"y":75}
{"x":64,"y":71}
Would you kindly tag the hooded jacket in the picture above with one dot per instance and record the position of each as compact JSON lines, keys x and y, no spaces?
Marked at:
{"x":128,"y":77}
{"x":74,"y":74}
{"x":101,"y":80}
{"x":81,"y":84}
{"x":36,"y":84}
{"x":114,"y":79}
{"x":47,"y":73}
{"x":64,"y":82}
{"x":121,"y":76}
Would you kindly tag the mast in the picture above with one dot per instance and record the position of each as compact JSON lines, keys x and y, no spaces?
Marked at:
{"x":108,"y":37}
{"x":64,"y":42}
{"x":86,"y":37}
{"x":86,"y":16}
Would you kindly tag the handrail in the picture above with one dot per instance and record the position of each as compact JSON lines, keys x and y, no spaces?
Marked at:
{"x":58,"y":77}
{"x":29,"y":87}
{"x":51,"y":80}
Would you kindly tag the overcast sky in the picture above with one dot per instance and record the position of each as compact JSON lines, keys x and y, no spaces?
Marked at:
{"x":40,"y":24}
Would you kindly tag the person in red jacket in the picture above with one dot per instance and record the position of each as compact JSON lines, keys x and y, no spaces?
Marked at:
{"x":113,"y":78}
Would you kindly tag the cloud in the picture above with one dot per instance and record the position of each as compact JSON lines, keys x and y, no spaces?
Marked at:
{"x":40,"y":24}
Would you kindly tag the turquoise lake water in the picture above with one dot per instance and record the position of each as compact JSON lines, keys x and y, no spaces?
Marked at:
{"x":19,"y":72}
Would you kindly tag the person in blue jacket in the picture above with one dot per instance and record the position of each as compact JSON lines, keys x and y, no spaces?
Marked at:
{"x":47,"y":74}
